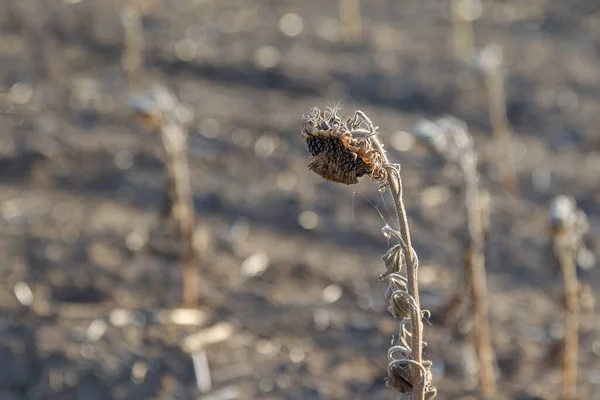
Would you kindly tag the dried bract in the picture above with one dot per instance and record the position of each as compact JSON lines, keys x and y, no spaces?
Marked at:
{"x":430,"y":390}
{"x":393,"y":260}
{"x":400,"y":376}
{"x":397,"y":297}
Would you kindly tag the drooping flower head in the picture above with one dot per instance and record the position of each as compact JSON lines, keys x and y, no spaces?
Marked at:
{"x":341,"y":150}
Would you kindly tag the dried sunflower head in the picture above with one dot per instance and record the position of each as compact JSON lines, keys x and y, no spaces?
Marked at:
{"x":340,"y":151}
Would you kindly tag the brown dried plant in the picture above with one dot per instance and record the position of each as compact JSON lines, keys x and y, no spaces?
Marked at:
{"x":569,"y":224}
{"x":132,"y":60}
{"x":450,"y":138}
{"x":350,"y":21}
{"x":491,"y":63}
{"x":463,"y":13}
{"x":156,"y":112}
{"x":343,"y":150}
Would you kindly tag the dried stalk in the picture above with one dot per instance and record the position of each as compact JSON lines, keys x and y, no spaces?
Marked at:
{"x":394,"y":182}
{"x":462,"y":29}
{"x":350,"y":21}
{"x":132,"y":60}
{"x":343,"y":151}
{"x":174,"y":139}
{"x":476,"y":269}
{"x":491,"y":61}
{"x":569,"y":225}
{"x":156,"y":112}
{"x":571,"y":349}
{"x":449,"y":138}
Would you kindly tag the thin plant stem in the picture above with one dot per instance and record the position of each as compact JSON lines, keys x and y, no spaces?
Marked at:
{"x":462,"y":31}
{"x":395,"y":183}
{"x":175,"y":145}
{"x":571,"y":351}
{"x":493,"y":60}
{"x":350,"y":21}
{"x":477,"y":277}
{"x":174,"y":139}
{"x":569,"y":224}
{"x":132,"y":60}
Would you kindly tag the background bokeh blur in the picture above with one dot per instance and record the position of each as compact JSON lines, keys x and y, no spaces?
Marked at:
{"x":288,"y":261}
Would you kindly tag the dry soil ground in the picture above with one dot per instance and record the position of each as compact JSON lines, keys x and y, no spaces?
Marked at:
{"x":81,"y":187}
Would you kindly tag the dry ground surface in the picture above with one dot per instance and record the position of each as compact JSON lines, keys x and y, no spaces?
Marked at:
{"x":81,"y":189}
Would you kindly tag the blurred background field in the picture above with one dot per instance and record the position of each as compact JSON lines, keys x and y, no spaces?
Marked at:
{"x":287,"y":261}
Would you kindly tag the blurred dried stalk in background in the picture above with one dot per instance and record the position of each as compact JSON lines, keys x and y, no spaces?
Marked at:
{"x":342,"y":151}
{"x":569,"y":224}
{"x":156,"y":111}
{"x":350,"y":21}
{"x":463,"y":13}
{"x":491,"y":62}
{"x":449,"y":137}
{"x":132,"y":60}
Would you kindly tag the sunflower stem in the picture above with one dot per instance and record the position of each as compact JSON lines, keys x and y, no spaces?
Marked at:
{"x":394,"y":181}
